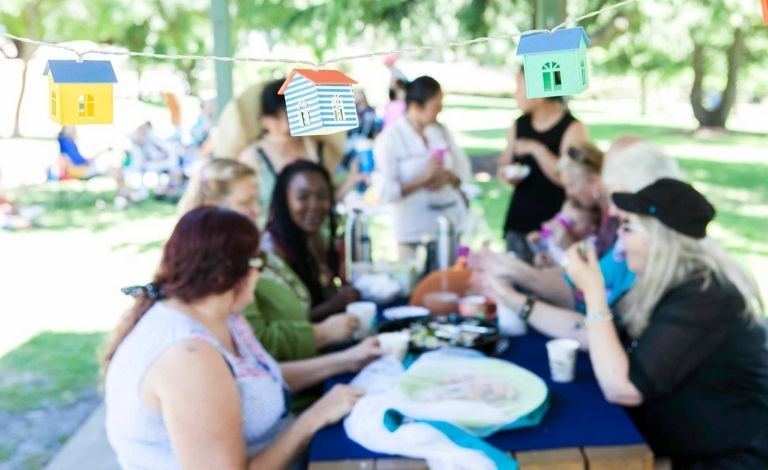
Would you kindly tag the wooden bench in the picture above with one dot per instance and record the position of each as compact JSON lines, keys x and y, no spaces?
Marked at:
{"x":634,"y":457}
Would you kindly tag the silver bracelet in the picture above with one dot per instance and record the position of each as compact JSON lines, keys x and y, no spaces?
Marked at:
{"x":597,"y":317}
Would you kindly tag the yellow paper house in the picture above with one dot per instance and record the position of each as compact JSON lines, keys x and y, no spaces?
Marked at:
{"x":80,"y":92}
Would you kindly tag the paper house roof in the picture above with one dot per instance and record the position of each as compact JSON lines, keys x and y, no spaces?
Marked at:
{"x":318,"y":77}
{"x":561,"y":40}
{"x":87,"y":71}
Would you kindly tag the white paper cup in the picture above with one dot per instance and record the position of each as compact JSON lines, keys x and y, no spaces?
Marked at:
{"x":365,"y":313}
{"x":472,"y":306}
{"x":395,"y":343}
{"x":510,"y":322}
{"x":562,"y":359}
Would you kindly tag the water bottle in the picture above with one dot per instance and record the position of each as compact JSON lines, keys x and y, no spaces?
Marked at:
{"x":447,"y":242}
{"x":364,"y":153}
{"x":357,"y":242}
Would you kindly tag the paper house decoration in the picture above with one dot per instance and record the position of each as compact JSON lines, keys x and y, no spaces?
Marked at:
{"x":319,"y":102}
{"x":765,"y":11}
{"x":80,"y":92}
{"x":555,"y":64}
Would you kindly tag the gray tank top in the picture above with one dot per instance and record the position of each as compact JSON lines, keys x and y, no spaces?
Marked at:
{"x":137,"y":433}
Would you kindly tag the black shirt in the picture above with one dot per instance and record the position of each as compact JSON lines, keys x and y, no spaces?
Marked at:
{"x":536,"y":199}
{"x":702,"y":368}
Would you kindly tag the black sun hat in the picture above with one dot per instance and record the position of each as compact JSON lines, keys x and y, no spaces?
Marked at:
{"x":674,"y":203}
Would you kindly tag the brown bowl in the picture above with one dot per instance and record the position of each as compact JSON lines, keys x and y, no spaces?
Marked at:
{"x":454,"y":280}
{"x":441,"y":302}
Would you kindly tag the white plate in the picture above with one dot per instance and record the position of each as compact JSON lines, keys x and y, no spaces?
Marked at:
{"x":516,"y":170}
{"x":406,"y":311}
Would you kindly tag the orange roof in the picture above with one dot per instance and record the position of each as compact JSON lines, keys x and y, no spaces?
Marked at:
{"x":319,"y":77}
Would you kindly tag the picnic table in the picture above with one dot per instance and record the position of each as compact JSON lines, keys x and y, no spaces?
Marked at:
{"x":581,"y":429}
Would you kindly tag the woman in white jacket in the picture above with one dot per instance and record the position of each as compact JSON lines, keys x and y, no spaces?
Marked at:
{"x":423,"y":168}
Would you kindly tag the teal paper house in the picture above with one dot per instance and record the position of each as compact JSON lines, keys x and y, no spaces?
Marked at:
{"x":319,"y":102}
{"x":555,"y":64}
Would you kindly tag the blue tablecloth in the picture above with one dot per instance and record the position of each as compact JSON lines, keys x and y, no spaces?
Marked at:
{"x":578,"y":415}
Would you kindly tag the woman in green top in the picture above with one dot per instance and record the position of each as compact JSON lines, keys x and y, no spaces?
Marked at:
{"x":280,"y":314}
{"x":300,"y":230}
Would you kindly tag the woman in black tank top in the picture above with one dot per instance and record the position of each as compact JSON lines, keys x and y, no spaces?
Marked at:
{"x":536,"y":140}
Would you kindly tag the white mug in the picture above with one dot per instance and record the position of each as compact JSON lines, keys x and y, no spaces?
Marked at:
{"x":366,"y":314}
{"x":510,"y":322}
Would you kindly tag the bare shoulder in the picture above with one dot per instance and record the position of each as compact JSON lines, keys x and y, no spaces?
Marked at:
{"x":576,"y":133}
{"x":192,"y":365}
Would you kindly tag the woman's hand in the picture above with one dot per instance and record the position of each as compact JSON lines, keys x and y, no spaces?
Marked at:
{"x":442,"y":178}
{"x":360,"y":355}
{"x":530,"y":147}
{"x":434,"y":167}
{"x":498,"y":264}
{"x":335,"y":329}
{"x":497,"y":290}
{"x":348,"y":294}
{"x":334,"y":405}
{"x":585,"y":272}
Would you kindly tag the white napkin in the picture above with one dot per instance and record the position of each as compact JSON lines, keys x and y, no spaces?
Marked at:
{"x":365,"y":425}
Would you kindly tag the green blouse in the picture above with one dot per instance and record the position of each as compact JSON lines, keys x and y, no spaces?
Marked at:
{"x":280,"y":314}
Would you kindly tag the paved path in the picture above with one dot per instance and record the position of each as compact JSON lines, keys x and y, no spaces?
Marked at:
{"x":88,"y":449}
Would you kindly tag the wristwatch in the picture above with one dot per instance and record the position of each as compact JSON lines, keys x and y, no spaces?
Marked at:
{"x":527,"y":308}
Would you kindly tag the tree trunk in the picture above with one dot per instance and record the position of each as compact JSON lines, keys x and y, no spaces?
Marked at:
{"x":643,"y":94}
{"x":16,"y":122}
{"x":717,"y":116}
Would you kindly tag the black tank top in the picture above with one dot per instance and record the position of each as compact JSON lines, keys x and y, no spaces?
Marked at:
{"x":536,"y":199}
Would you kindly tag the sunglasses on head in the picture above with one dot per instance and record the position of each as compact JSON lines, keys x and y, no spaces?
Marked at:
{"x":258,"y":262}
{"x":577,"y":155}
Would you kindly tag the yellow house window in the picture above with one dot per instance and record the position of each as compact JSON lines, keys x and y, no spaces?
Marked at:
{"x":53,"y":103}
{"x":85,"y":105}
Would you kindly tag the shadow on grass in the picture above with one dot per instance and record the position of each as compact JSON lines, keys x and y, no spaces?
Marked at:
{"x":69,"y":206}
{"x":51,"y":369}
{"x":750,"y":177}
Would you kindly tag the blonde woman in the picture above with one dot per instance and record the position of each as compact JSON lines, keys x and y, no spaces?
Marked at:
{"x":688,"y":356}
{"x":279,"y":316}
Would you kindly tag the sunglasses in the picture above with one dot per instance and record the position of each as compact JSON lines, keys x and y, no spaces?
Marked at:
{"x":578,"y":156}
{"x":259,"y":262}
{"x":628,"y":227}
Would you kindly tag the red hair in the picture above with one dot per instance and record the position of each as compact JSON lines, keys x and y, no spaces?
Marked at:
{"x":207,"y":254}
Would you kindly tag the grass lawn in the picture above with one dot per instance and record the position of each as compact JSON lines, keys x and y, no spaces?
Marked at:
{"x":51,"y":369}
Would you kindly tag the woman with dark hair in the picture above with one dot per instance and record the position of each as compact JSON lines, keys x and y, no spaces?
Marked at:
{"x":301,"y":230}
{"x":280,"y":314}
{"x":536,"y":139}
{"x":423,"y":168}
{"x":184,"y":368}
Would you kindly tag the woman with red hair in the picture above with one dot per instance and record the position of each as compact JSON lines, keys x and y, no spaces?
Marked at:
{"x":187,"y":383}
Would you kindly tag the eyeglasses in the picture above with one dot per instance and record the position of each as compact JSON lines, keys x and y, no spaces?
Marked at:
{"x":581,"y":157}
{"x":259,"y":262}
{"x":628,"y":227}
